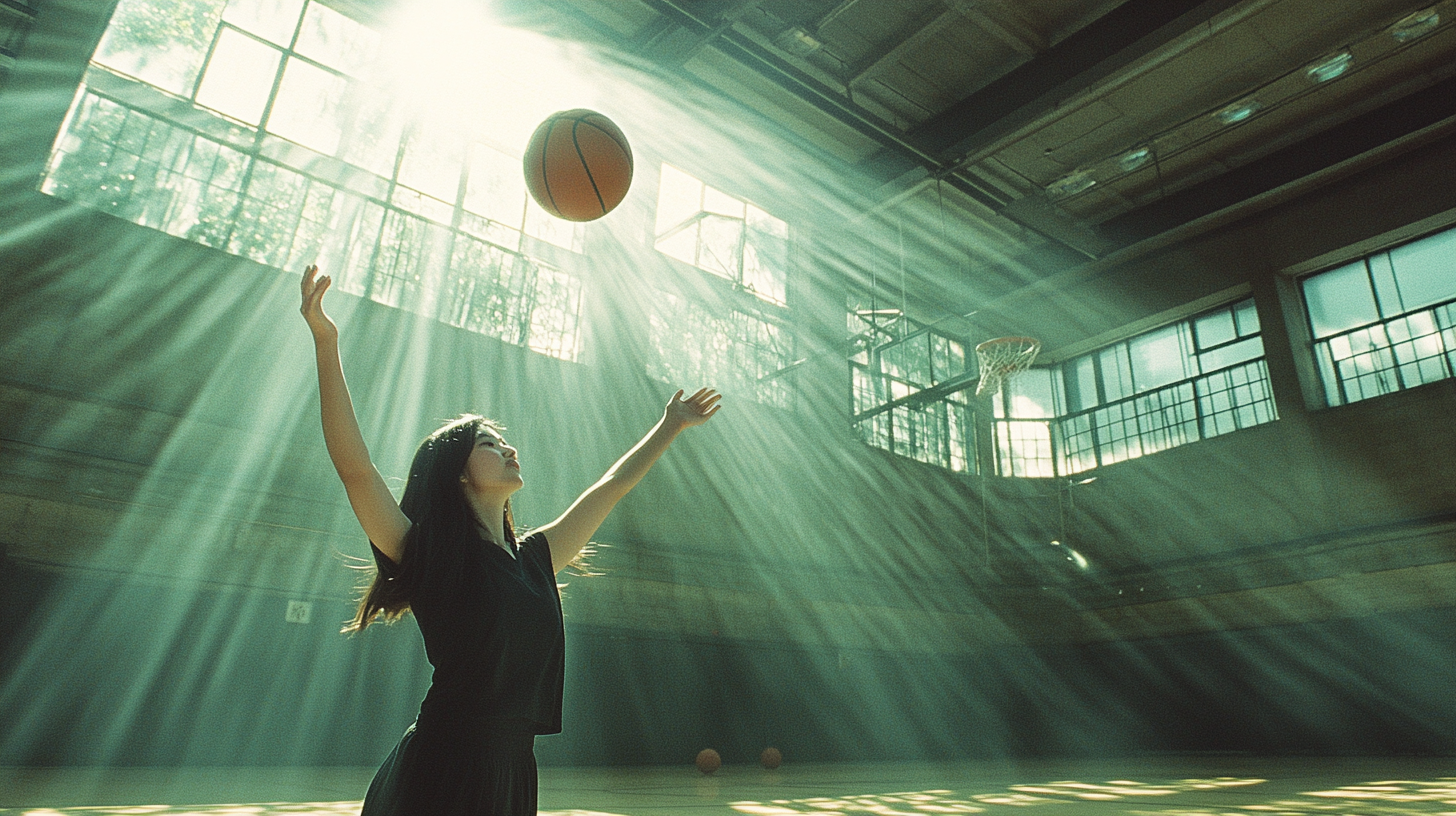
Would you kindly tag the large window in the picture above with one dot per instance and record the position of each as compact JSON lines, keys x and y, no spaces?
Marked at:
{"x":1386,"y":322}
{"x":722,"y":234}
{"x":732,"y":331}
{"x":264,"y":128}
{"x":904,"y":389}
{"x":739,"y":353}
{"x":1192,"y":380}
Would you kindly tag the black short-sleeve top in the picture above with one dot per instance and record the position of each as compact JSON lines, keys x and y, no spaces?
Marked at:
{"x":493,"y":632}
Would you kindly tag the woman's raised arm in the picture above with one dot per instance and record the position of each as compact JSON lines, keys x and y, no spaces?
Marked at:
{"x":571,"y":532}
{"x":373,"y":504}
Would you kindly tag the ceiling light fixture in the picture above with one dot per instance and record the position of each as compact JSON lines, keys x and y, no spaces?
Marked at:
{"x":1135,"y":158}
{"x":1072,"y":184}
{"x":799,"y":42}
{"x":1416,"y":25}
{"x":1327,"y":69}
{"x":1238,"y":111}
{"x":1195,"y":130}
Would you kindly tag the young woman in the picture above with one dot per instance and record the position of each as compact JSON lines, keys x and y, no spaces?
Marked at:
{"x":486,"y":602}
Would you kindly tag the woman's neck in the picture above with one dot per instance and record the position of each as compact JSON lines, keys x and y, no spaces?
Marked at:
{"x":490,"y":519}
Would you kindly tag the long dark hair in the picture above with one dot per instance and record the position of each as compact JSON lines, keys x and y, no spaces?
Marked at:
{"x":440,"y":518}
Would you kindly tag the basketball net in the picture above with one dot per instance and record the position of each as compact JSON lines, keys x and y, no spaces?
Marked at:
{"x":1001,"y":359}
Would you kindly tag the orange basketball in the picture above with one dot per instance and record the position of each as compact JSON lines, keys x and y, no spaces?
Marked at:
{"x":578,"y":165}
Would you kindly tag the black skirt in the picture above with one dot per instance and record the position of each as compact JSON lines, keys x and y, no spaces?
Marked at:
{"x":491,"y":772}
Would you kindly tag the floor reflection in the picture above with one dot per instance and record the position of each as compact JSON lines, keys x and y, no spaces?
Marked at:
{"x":1284,"y":788}
{"x":257,"y":809}
{"x":1435,"y":795}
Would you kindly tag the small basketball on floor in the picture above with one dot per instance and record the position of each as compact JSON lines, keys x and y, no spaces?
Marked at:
{"x":709,"y":761}
{"x":771,"y":758}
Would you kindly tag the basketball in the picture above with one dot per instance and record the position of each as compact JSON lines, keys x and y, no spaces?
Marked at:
{"x":771,"y":758}
{"x":578,"y":165}
{"x":709,"y":761}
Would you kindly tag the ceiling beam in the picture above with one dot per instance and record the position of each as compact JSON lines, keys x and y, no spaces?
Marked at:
{"x":789,"y":77}
{"x":1120,"y":37}
{"x":905,"y":152}
{"x":845,"y":5}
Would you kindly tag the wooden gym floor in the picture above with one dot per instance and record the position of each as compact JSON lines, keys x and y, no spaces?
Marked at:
{"x":1147,"y":786}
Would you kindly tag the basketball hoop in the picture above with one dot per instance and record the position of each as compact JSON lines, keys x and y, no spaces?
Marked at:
{"x":1002,"y":358}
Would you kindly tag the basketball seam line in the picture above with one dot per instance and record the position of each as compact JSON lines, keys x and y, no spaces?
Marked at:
{"x":576,"y":143}
{"x":546,"y":179}
{"x":621,"y":143}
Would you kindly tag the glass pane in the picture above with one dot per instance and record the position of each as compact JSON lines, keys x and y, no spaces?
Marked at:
{"x":360,"y":245}
{"x":146,"y":171}
{"x":162,"y":42}
{"x":1076,"y":452}
{"x":1382,"y":276}
{"x":239,"y":77}
{"x":488,"y":291}
{"x":678,"y":199}
{"x":1239,"y":352}
{"x":1025,"y":449}
{"x":1158,"y":358}
{"x":720,"y":203}
{"x":1116,"y":372}
{"x":421,"y":204}
{"x":1417,"y":343}
{"x":492,"y":231}
{"x":330,"y":237}
{"x":1214,"y":328}
{"x":1247,"y":318}
{"x":719,"y":248}
{"x":1325,"y":360}
{"x":556,"y":318}
{"x":410,"y":264}
{"x":1081,"y":376}
{"x":861,"y":393}
{"x":766,"y":256}
{"x":307,"y":109}
{"x":559,"y":232}
{"x":273,"y":20}
{"x":496,"y":188}
{"x":909,"y":361}
{"x":372,"y":131}
{"x":949,"y":358}
{"x":961,"y":431}
{"x":1425,"y":271}
{"x":433,"y":159}
{"x":1339,"y":299}
{"x":1165,"y":418}
{"x":737,"y":351}
{"x":1411,"y":327}
{"x":682,"y":245}
{"x":270,"y":216}
{"x":1365,"y":365}
{"x":1031,"y":394}
{"x":336,"y":40}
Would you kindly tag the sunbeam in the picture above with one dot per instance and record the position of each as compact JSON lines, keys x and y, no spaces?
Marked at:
{"x":1212,"y":514}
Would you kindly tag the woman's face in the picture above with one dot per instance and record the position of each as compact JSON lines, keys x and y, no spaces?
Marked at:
{"x":492,"y":466}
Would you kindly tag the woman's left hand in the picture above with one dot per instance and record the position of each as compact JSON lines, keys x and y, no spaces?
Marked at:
{"x":695,"y":410}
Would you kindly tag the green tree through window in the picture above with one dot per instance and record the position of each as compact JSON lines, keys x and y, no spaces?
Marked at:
{"x":249,"y":126}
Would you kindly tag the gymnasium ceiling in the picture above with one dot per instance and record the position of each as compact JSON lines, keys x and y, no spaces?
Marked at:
{"x":1089,"y":124}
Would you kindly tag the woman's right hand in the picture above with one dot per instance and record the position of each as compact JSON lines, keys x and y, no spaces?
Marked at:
{"x":314,"y":286}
